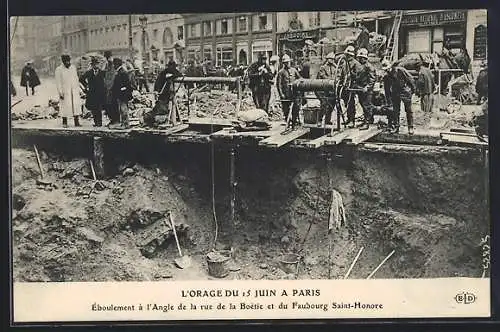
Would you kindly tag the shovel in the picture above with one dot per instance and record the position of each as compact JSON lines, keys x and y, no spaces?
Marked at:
{"x":42,"y":179}
{"x":96,"y":182}
{"x":182,"y":262}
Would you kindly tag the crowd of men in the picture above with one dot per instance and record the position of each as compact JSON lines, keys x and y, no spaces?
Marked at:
{"x":398,"y":88}
{"x":109,"y":89}
{"x":398,"y":84}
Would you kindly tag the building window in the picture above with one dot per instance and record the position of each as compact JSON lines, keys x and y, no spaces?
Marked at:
{"x":224,"y":27}
{"x":207,"y":53}
{"x":437,"y":40}
{"x":261,"y":22}
{"x":193,"y":30}
{"x":480,"y":42}
{"x":155,"y":34}
{"x":180,"y":32}
{"x":207,"y":28}
{"x":419,"y":41}
{"x":224,"y":56}
{"x":242,"y":24}
{"x":314,"y":20}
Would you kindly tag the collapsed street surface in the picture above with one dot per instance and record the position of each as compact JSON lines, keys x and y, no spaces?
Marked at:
{"x":230,"y":187}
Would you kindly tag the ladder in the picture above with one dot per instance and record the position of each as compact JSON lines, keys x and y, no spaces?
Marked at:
{"x":392,"y":42}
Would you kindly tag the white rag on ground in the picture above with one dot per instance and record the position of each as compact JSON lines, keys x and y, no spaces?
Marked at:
{"x":68,"y":86}
{"x":337,"y":212}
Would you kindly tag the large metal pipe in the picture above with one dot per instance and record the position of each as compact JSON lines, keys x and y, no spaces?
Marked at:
{"x":305,"y":85}
{"x":226,"y":80}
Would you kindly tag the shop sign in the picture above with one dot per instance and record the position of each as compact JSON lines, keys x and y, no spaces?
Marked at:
{"x":433,"y":19}
{"x":298,"y":35}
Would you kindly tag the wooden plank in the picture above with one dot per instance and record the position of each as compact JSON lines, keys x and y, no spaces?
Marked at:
{"x":463,"y":130}
{"x":228,"y":133}
{"x":278,"y":140}
{"x":338,"y":137}
{"x":459,"y":139}
{"x":361,"y":136}
{"x":160,"y":132}
{"x":208,"y":121}
{"x":317,"y":142}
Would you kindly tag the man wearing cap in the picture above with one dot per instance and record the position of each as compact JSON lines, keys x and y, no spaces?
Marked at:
{"x":425,"y":85}
{"x":121,"y":91}
{"x":109,"y":76}
{"x":29,"y":78}
{"x":327,"y":72}
{"x":163,"y":88}
{"x":398,"y":86}
{"x":482,"y":83}
{"x":93,"y":81}
{"x":274,"y":65}
{"x":284,"y":80}
{"x":365,"y":80}
{"x":68,"y":87}
{"x":260,"y":76}
{"x":348,"y":97}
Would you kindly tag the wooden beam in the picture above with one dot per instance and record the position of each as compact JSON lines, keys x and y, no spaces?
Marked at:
{"x":208,"y":121}
{"x":338,"y":137}
{"x":160,"y":132}
{"x":98,"y":156}
{"x":279,"y":140}
{"x":360,"y":136}
{"x":462,"y":140}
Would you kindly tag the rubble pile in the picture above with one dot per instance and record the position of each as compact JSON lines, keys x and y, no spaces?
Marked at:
{"x":152,"y":228}
{"x":51,"y":111}
{"x":140,"y":105}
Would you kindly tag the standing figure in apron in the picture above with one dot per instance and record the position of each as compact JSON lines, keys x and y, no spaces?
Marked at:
{"x":68,"y":87}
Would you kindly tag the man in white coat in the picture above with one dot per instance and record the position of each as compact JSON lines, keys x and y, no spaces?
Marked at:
{"x":68,"y":87}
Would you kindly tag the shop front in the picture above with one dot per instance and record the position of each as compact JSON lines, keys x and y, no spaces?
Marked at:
{"x":224,"y":55}
{"x":261,"y":46}
{"x":294,"y":43}
{"x":242,"y":53}
{"x":430,"y":32}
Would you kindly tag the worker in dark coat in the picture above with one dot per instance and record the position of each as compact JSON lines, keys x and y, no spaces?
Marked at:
{"x":349,"y":97}
{"x":93,"y":81}
{"x":482,"y":84}
{"x":163,"y":89}
{"x":365,"y":80}
{"x":327,"y":98}
{"x":399,"y":87}
{"x":284,"y":80}
{"x":109,"y":76}
{"x":29,"y":78}
{"x":425,"y":86}
{"x":260,"y":76}
{"x":122,"y":91}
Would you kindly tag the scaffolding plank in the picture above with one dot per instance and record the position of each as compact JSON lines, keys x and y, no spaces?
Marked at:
{"x":160,"y":132}
{"x":281,"y":139}
{"x":210,"y":122}
{"x":462,"y":139}
{"x":360,"y":136}
{"x":338,"y":137}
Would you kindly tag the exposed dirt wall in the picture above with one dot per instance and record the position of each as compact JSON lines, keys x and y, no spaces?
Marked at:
{"x":429,"y":209}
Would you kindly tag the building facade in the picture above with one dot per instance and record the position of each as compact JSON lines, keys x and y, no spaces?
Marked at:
{"x":160,"y":39}
{"x":109,"y":32}
{"x":75,"y":35}
{"x":230,"y":38}
{"x":23,"y":41}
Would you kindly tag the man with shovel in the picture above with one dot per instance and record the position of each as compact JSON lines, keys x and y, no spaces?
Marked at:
{"x":163,"y":90}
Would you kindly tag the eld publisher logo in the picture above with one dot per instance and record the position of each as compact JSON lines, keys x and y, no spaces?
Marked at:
{"x":465,"y":298}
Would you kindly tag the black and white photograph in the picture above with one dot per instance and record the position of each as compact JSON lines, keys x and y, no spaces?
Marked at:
{"x":250,"y":146}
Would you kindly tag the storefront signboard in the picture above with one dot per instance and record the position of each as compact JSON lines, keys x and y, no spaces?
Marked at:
{"x":299,"y":35}
{"x":435,"y":19}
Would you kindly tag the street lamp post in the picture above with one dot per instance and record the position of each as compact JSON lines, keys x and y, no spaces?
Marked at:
{"x":144,"y":24}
